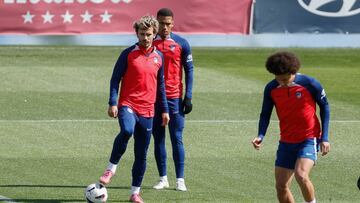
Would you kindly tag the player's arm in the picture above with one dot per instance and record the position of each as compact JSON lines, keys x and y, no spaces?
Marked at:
{"x":187,"y":61}
{"x":117,"y":75}
{"x":162,"y":96}
{"x":265,"y":115}
{"x":321,"y":100}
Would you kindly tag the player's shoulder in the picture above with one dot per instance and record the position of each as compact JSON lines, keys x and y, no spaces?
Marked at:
{"x":179,"y":39}
{"x":158,"y":52}
{"x":305,"y":79}
{"x":271,"y":85}
{"x":176,"y":36}
{"x":129,"y":49}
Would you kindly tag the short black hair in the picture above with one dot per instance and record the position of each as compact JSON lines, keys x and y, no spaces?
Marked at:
{"x":283,"y":63}
{"x":165,"y":12}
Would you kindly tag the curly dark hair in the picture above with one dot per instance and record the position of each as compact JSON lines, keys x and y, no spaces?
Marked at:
{"x":283,"y":63}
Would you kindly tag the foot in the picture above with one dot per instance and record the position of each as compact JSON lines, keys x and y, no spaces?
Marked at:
{"x":136,"y":198}
{"x":180,"y":185}
{"x":162,"y":184}
{"x":106,"y":177}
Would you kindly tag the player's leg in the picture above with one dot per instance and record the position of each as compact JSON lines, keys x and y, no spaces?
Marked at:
{"x":127,"y":124}
{"x":159,"y":144}
{"x":302,"y":171}
{"x":284,"y":171}
{"x":160,"y":150}
{"x":142,"y":135}
{"x":304,"y":164}
{"x":283,"y":178}
{"x":176,"y":127}
{"x":127,"y":120}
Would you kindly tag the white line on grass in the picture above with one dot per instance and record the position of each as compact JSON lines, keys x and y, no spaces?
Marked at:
{"x":6,"y":199}
{"x":188,"y":121}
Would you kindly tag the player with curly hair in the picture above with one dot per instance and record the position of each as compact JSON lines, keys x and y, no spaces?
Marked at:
{"x":295,"y":97}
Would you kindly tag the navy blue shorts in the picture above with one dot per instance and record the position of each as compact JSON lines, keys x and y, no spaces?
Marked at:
{"x":288,"y":153}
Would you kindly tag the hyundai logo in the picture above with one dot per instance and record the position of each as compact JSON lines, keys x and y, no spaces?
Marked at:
{"x":346,"y":8}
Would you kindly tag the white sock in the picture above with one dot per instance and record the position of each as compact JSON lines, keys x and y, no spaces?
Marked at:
{"x":313,"y":201}
{"x":163,"y":178}
{"x":112,"y":167}
{"x":180,"y":179}
{"x":135,"y":190}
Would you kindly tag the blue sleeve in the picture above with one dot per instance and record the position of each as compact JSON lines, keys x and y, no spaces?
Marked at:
{"x":266,"y":110}
{"x":187,"y":61}
{"x":161,"y":88}
{"x":320,"y":98}
{"x":117,"y":75}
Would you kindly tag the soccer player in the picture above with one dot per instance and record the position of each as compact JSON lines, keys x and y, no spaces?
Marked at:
{"x":295,"y":97}
{"x":177,"y":57}
{"x":140,"y":70}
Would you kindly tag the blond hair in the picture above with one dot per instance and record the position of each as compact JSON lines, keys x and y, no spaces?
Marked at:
{"x":145,"y":23}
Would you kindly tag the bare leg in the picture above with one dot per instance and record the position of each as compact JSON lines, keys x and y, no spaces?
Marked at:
{"x":302,"y":170}
{"x":283,"y":177}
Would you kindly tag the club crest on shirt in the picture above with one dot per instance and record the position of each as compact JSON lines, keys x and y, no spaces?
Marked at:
{"x":298,"y":95}
{"x":172,"y":47}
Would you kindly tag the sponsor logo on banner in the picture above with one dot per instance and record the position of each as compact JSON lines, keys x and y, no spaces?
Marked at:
{"x":321,"y":7}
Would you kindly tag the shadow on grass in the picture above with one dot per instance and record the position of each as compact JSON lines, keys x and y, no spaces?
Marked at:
{"x":56,"y":186}
{"x":49,"y":200}
{"x":3,"y":199}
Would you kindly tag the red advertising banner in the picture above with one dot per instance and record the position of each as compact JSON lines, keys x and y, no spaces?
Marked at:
{"x":52,"y":17}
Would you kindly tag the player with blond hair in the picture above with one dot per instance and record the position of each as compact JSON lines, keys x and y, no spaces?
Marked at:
{"x":140,"y":71}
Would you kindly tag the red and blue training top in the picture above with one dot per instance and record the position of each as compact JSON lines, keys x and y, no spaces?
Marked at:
{"x":141,"y":74}
{"x":296,"y":109}
{"x":177,"y":54}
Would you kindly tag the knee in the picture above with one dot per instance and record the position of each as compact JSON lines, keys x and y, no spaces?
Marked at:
{"x":281,"y":187}
{"x":176,"y":138}
{"x":140,"y":156}
{"x":127,"y":132}
{"x":159,"y":139}
{"x":301,"y":176}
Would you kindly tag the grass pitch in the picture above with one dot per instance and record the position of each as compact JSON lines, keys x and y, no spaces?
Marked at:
{"x":56,"y":137}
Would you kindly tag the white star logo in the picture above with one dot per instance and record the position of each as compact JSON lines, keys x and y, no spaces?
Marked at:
{"x":106,"y":17}
{"x":28,"y":17}
{"x":47,"y":17}
{"x":67,"y":17}
{"x":86,"y":17}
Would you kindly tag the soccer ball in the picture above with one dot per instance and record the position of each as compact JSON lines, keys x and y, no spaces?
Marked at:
{"x":96,"y":193}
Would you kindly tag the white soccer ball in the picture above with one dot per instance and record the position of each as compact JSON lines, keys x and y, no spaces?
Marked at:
{"x":96,"y":193}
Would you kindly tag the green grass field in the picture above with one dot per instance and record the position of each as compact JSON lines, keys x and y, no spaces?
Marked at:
{"x":55,"y":136}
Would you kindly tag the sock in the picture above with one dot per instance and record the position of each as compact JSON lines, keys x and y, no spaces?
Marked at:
{"x":135,"y":190}
{"x":180,"y":180}
{"x":163,"y":178}
{"x":313,"y":201}
{"x":112,"y":167}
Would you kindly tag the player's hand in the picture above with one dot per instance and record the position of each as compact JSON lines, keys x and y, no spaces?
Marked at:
{"x":113,"y":111}
{"x":257,"y":143}
{"x":324,"y":148}
{"x":165,"y":119}
{"x":187,"y":105}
